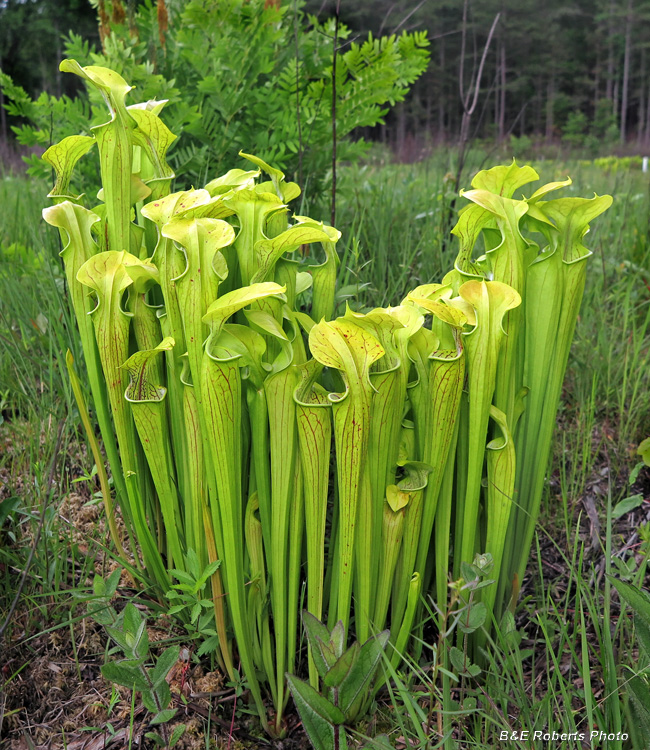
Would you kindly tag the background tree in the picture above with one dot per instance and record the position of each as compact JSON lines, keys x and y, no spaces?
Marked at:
{"x":31,"y":42}
{"x":574,"y":69}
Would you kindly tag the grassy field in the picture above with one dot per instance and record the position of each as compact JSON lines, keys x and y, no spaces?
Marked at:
{"x":565,"y":662}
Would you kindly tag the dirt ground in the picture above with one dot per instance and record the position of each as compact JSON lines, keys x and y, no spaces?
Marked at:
{"x":53,"y":694}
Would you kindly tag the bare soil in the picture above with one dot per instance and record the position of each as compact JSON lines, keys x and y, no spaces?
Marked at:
{"x":52,"y":693}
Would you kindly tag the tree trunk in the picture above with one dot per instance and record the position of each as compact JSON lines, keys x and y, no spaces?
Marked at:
{"x":642,"y":90}
{"x":597,"y":78}
{"x":401,"y":130}
{"x":441,"y":94}
{"x":550,"y":97}
{"x":626,"y":70}
{"x":537,"y":112}
{"x":502,"y":91}
{"x":3,"y":117}
{"x":609,"y":85}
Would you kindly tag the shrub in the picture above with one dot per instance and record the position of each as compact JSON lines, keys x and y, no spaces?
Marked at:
{"x":237,"y":75}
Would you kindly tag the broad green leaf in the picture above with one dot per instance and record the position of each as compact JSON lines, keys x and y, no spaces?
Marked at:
{"x":324,"y":274}
{"x":548,"y":188}
{"x":314,"y":424}
{"x":128,"y":677}
{"x":571,"y":217}
{"x":7,"y":506}
{"x":637,"y":599}
{"x":321,"y":646}
{"x":115,"y":149}
{"x":471,"y":221}
{"x":161,"y":210}
{"x":163,"y":693}
{"x":627,"y":505}
{"x":220,"y":310}
{"x":342,"y":667}
{"x":321,"y":720}
{"x":106,"y":274}
{"x":391,"y":539}
{"x":491,"y":300}
{"x":381,"y":742}
{"x":344,"y":345}
{"x":501,"y":467}
{"x":644,"y":451}
{"x":475,"y":618}
{"x":638,"y":690}
{"x":337,"y":638}
{"x":504,"y":180}
{"x":234,"y":178}
{"x":162,"y":717}
{"x":361,"y":675}
{"x":268,"y":252}
{"x":177,"y":733}
{"x":642,"y":629}
{"x":62,"y":157}
{"x":253,"y":212}
{"x":154,"y":138}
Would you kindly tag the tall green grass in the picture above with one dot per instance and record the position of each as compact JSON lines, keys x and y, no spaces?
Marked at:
{"x":605,"y":402}
{"x":36,"y":328}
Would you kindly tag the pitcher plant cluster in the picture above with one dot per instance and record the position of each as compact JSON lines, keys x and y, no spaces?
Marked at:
{"x":347,"y":464}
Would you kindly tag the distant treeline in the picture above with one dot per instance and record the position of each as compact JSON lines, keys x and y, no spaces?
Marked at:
{"x":571,"y":69}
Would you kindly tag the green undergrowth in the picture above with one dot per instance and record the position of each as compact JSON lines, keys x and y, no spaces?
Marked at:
{"x":559,"y":666}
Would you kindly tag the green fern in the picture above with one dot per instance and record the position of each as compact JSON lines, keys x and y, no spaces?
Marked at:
{"x":233,"y":77}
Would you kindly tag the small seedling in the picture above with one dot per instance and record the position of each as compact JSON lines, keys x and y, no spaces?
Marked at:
{"x":346,"y":675}
{"x":128,"y":631}
{"x":192,"y":606}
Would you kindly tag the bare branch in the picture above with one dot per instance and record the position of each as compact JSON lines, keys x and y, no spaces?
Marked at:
{"x":407,"y":16}
{"x":461,"y":74}
{"x":477,"y":85}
